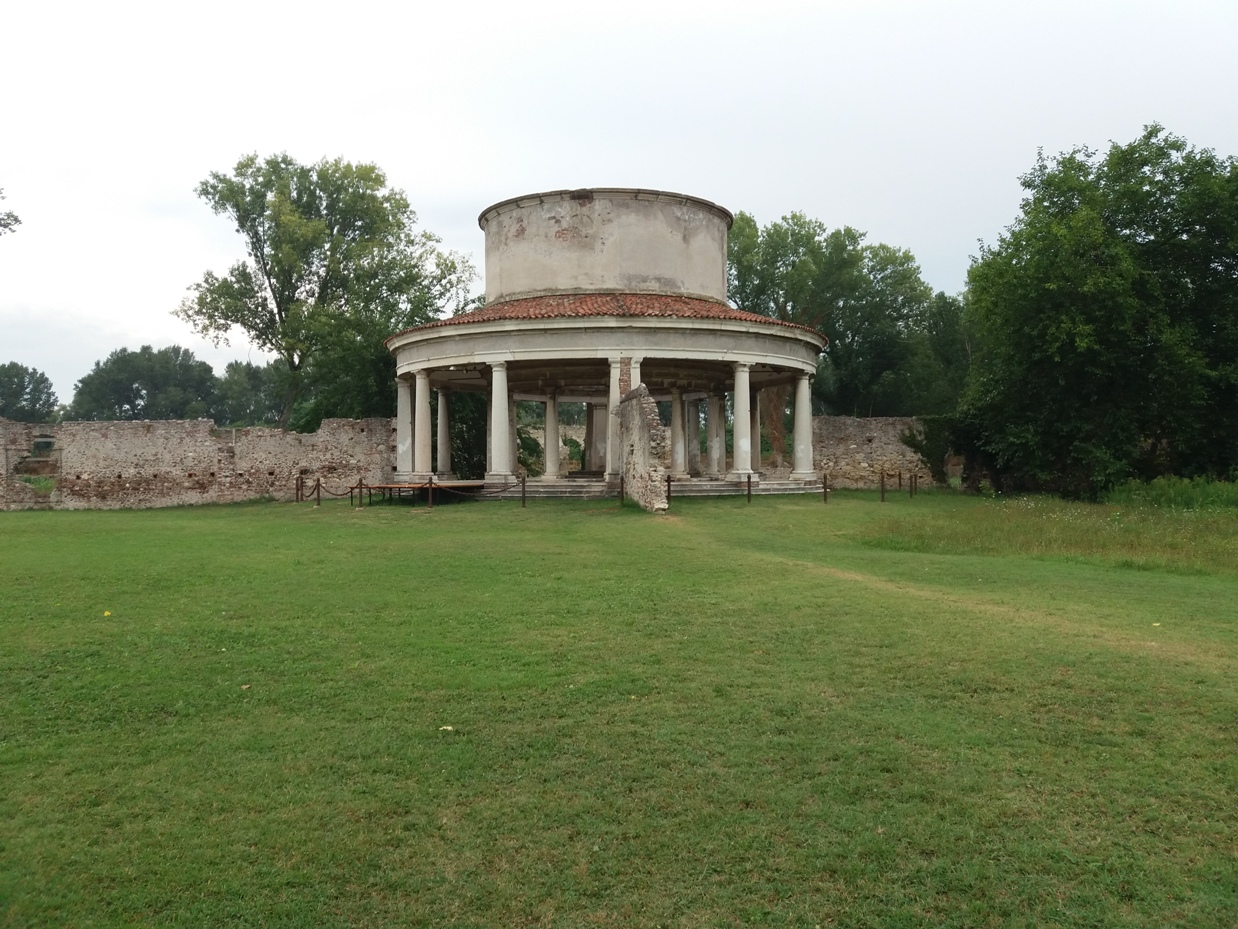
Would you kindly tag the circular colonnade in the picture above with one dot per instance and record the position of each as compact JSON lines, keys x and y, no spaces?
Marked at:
{"x":590,"y":293}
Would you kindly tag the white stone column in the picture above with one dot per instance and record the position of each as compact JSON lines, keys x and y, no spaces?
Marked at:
{"x":403,"y":426}
{"x":692,"y":436}
{"x":715,"y":438}
{"x":500,"y":428}
{"x":801,"y":462}
{"x":612,"y":424}
{"x":552,"y":436}
{"x":444,"y":435}
{"x":679,"y":461}
{"x":756,"y":430}
{"x":421,"y":426}
{"x":741,"y":426}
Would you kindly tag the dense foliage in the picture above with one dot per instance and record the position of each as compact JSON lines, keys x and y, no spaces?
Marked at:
{"x":8,"y":219}
{"x":1107,"y":318}
{"x":895,"y":348}
{"x":26,"y":394}
{"x":335,"y":266}
{"x":166,"y":384}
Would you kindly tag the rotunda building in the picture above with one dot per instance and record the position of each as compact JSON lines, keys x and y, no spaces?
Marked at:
{"x":590,"y":293}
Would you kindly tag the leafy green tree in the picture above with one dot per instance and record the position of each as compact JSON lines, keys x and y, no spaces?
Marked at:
{"x":8,"y":220}
{"x":869,"y":300}
{"x":26,"y":394}
{"x":166,"y":384}
{"x":249,"y":394}
{"x":335,"y":266}
{"x":1107,"y":322}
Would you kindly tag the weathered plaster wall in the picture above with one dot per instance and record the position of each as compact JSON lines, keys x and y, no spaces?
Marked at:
{"x":643,"y":443}
{"x":112,"y":465}
{"x":854,"y":452}
{"x":628,"y":241}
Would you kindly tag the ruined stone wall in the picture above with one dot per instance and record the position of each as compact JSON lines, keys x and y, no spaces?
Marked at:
{"x":113,"y":465}
{"x":643,"y":442}
{"x":16,"y":440}
{"x":854,"y":452}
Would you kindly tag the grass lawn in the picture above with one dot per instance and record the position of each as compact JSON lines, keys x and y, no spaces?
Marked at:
{"x":939,"y":712}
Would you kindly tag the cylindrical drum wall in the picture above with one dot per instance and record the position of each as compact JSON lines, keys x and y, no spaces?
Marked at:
{"x":605,"y":240}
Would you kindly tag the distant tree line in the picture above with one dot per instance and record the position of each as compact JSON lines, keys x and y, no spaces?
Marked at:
{"x":1097,"y":339}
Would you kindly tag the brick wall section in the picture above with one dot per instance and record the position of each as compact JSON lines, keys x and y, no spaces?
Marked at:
{"x":16,"y":441}
{"x":114,"y":465}
{"x":644,"y":442}
{"x":854,"y":452}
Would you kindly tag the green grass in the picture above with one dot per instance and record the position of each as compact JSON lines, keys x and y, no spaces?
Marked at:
{"x":1181,"y":493}
{"x":939,"y":712}
{"x":41,"y":485}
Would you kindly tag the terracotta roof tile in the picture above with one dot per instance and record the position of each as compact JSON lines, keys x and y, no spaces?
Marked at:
{"x":557,"y":306}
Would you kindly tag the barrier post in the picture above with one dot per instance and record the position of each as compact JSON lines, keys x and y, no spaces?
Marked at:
{"x":621,"y":489}
{"x":900,"y":480}
{"x":430,"y":493}
{"x":883,"y":487}
{"x":318,"y":491}
{"x":749,"y":488}
{"x":522,"y":479}
{"x":825,"y":487}
{"x":668,"y":490}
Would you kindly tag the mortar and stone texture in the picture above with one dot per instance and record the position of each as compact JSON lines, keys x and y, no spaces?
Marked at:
{"x":114,"y":465}
{"x":855,"y":452}
{"x":643,"y":447}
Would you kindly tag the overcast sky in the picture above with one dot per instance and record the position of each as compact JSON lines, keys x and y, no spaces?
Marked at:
{"x":911,"y":121}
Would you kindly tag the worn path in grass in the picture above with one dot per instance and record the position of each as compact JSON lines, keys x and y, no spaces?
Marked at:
{"x":777,"y":714}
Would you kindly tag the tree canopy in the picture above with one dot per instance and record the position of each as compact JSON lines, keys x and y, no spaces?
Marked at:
{"x":895,"y":349}
{"x":26,"y":394}
{"x":1107,"y":322}
{"x":166,"y":384}
{"x":8,"y":219}
{"x":335,"y":265}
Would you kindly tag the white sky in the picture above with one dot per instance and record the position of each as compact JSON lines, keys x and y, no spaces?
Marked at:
{"x":909,"y":120}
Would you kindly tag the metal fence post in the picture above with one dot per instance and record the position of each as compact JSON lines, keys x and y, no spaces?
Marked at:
{"x":883,"y":487}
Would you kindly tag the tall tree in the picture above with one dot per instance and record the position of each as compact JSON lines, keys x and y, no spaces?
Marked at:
{"x":333,"y":261}
{"x":8,"y":220}
{"x":1107,"y":317}
{"x":249,"y":394}
{"x":147,"y":384}
{"x":26,"y":394}
{"x":869,"y":300}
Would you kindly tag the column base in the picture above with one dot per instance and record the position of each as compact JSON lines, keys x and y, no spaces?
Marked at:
{"x":445,"y":476}
{"x":804,"y":476}
{"x":742,"y":475}
{"x":500,"y":477}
